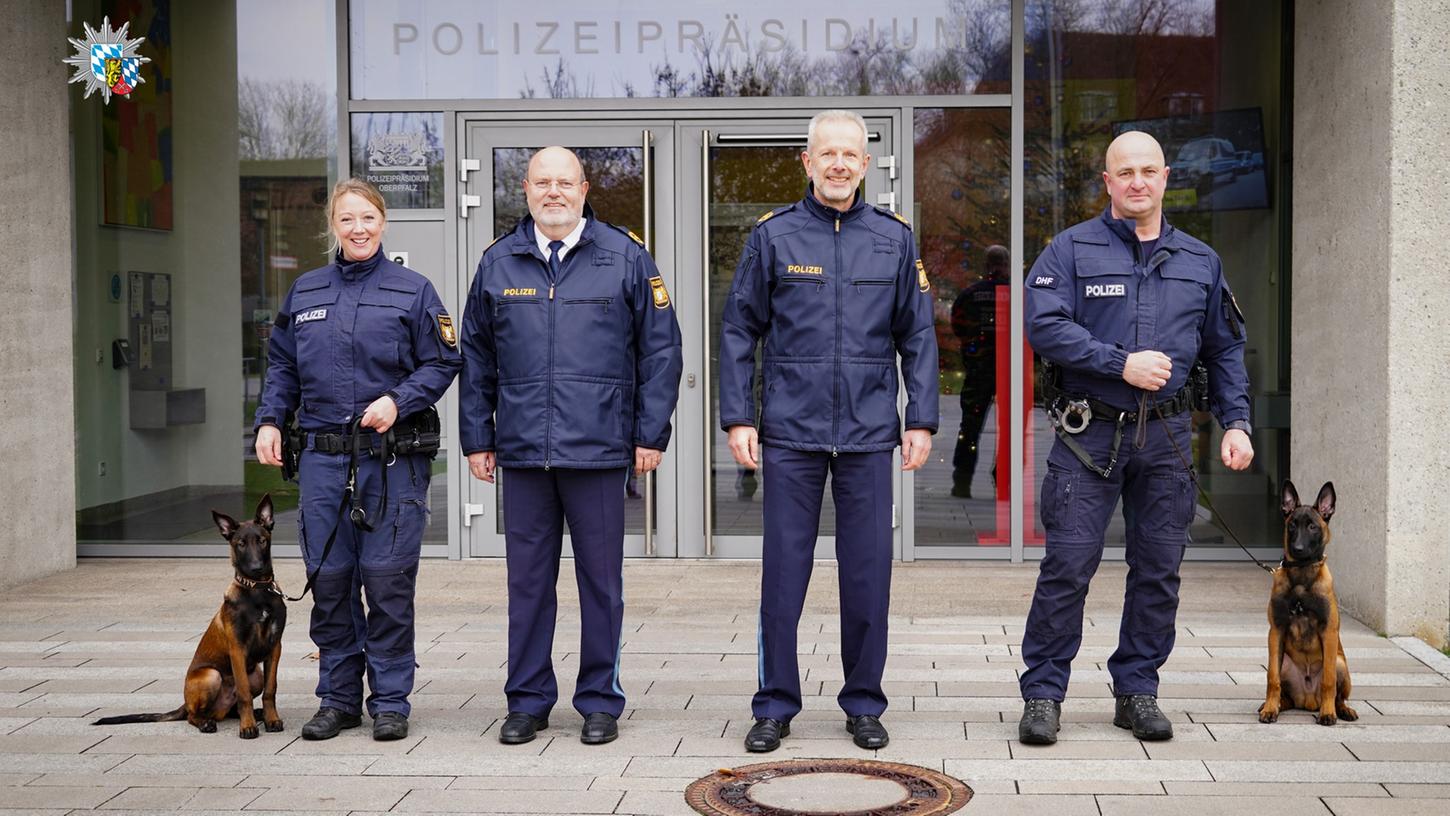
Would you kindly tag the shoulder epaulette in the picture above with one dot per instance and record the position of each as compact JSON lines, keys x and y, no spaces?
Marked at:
{"x":624,"y":231}
{"x":894,"y":214}
{"x":635,"y":238}
{"x":772,"y":213}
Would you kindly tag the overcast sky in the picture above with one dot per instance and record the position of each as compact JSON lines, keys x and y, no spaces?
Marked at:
{"x":287,"y":39}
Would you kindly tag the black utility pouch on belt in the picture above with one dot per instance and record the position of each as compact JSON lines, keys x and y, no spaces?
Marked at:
{"x":419,"y":434}
{"x":293,"y":441}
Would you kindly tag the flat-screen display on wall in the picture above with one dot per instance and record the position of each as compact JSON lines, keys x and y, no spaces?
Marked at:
{"x":1216,"y":160}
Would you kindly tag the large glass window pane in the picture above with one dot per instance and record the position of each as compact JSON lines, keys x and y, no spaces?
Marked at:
{"x":962,"y":198}
{"x":460,"y":49}
{"x":1203,"y":76}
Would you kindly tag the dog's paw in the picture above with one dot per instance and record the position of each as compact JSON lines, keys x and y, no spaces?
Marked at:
{"x":1326,"y":718}
{"x":1268,"y":713}
{"x":208,"y":727}
{"x":1347,"y":714}
{"x":274,"y":725}
{"x":247,"y":732}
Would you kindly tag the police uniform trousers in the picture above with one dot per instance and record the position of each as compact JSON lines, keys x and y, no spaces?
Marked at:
{"x":861,"y":490}
{"x":979,"y":386}
{"x":1158,"y":505}
{"x":381,"y":565}
{"x":536,"y":502}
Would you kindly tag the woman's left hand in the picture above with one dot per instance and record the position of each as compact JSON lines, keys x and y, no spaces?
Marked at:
{"x":381,"y":415}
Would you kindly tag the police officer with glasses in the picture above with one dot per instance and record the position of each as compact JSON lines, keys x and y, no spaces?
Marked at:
{"x":1123,"y":306}
{"x":572,"y":368}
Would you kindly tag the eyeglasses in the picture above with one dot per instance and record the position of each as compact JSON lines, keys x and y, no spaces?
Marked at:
{"x":564,"y":185}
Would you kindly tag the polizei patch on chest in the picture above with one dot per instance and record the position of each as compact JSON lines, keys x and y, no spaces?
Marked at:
{"x":1098,"y":290}
{"x":309,"y":316}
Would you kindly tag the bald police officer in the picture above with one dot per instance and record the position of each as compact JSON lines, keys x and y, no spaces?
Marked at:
{"x":835,"y":289}
{"x":571,"y":370}
{"x":1124,"y":304}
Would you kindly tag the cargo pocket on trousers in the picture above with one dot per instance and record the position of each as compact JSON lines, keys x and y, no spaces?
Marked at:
{"x":1059,"y":511}
{"x":1187,"y":505}
{"x":408,"y":531}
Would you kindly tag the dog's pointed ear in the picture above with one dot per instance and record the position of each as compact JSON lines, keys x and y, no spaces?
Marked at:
{"x":1325,"y":503}
{"x":1289,"y":498}
{"x":225,"y":523}
{"x":264,"y":511}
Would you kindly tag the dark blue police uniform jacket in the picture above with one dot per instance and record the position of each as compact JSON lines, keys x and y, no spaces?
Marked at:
{"x":347,"y":334}
{"x":837,"y":296}
{"x":574,"y":372}
{"x":1091,"y":301}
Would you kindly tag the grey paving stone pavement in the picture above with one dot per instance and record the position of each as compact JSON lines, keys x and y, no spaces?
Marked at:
{"x":84,"y":644}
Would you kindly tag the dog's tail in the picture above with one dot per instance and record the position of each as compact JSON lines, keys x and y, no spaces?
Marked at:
{"x":168,"y":716}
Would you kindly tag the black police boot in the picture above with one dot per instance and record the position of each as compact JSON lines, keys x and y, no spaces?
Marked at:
{"x":519,"y":728}
{"x":389,"y":725}
{"x":765,"y":735}
{"x":599,"y":728}
{"x":1140,"y":712}
{"x":1040,"y":721}
{"x":328,"y":722}
{"x":867,"y":732}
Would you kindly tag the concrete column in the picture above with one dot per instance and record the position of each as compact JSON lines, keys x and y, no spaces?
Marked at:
{"x":1371,"y":354}
{"x":37,"y":451}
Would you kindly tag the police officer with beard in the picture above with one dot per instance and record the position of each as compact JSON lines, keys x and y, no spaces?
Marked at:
{"x":572,"y":370}
{"x":361,"y":347}
{"x":834,"y":288}
{"x":1124,"y":304}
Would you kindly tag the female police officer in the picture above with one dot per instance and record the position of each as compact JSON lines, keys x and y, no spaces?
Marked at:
{"x":360,"y":347}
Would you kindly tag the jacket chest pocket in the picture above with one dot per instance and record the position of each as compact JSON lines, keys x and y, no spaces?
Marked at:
{"x":314,"y":322}
{"x":1107,"y":297}
{"x":383,"y":319}
{"x":1186,"y":284}
{"x":867,"y":306}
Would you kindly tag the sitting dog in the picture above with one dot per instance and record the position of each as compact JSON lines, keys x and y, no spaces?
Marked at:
{"x":226,"y":672}
{"x":1306,"y":658}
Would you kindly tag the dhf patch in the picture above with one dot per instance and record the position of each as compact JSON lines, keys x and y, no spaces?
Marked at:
{"x":1045,"y":281}
{"x":922,"y":283}
{"x":309,"y":316}
{"x":661,"y":295}
{"x":446,"y":330}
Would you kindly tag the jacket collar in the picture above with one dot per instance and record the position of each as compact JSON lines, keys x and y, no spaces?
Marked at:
{"x":1127,"y":229}
{"x":821,"y":211}
{"x":358,"y":270}
{"x":524,"y":241}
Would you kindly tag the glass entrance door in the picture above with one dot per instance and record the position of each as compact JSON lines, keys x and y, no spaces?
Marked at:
{"x":630,"y":173}
{"x":731,"y":173}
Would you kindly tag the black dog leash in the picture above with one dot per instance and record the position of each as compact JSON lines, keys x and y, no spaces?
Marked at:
{"x":1194,"y":477}
{"x":357,"y":515}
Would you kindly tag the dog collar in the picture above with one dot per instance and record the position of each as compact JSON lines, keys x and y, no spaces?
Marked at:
{"x":247,"y":583}
{"x":1284,"y":562}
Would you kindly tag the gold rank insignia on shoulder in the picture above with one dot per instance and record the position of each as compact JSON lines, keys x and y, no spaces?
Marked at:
{"x":661,"y":295}
{"x":899,"y":217}
{"x":446,"y":331}
{"x":762,"y":219}
{"x":635,"y":238}
{"x":921,"y":282}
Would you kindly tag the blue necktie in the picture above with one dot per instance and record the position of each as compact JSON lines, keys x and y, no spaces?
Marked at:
{"x":554,"y":247}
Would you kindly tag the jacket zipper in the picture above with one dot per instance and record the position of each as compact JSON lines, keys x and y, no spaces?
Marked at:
{"x":549,"y":402}
{"x":836,"y":397}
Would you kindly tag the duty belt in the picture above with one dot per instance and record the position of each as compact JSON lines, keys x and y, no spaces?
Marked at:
{"x":1071,"y":415}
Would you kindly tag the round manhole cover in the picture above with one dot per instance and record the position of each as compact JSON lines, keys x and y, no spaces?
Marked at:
{"x":827,"y":786}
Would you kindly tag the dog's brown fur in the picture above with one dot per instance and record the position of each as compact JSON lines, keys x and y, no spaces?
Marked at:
{"x":245,"y":633}
{"x":1304,"y":619}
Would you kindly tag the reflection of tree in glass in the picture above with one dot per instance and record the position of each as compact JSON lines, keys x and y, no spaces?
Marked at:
{"x":616,"y":185}
{"x":284,"y":119}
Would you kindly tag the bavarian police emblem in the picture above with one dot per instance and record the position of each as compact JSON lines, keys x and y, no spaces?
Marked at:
{"x":661,"y":296}
{"x":921,"y":282}
{"x":106,"y":61}
{"x":445,"y":330}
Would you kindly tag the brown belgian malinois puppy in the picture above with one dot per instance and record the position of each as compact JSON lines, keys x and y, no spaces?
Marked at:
{"x":245,"y":632}
{"x":1306,"y":658}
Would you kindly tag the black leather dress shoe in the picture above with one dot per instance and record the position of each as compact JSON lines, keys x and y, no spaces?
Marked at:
{"x":867,"y":732}
{"x":1041,"y":720}
{"x":519,"y":728}
{"x":328,"y":722}
{"x":765,"y":735}
{"x":599,"y":728}
{"x":389,"y":725}
{"x":1140,"y":712}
